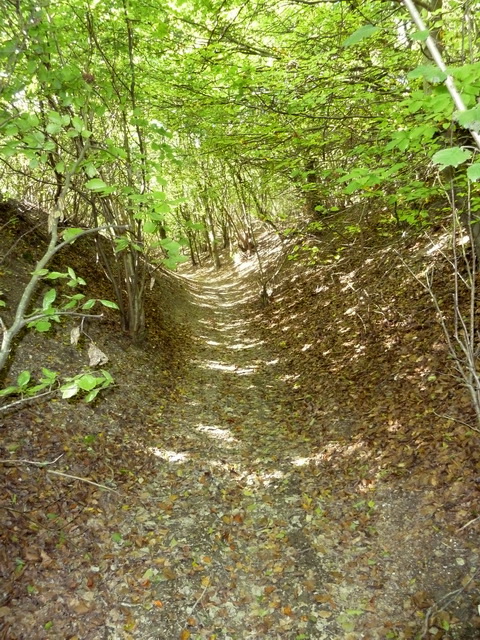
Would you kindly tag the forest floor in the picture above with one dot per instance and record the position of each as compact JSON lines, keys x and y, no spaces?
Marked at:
{"x":278,"y":472}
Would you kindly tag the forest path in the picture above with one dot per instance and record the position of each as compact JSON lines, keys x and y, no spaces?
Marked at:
{"x":243,"y":541}
{"x":234,"y":499}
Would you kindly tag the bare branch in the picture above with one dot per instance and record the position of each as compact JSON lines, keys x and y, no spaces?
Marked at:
{"x":22,"y":401}
{"x":34,"y":462}
{"x":95,"y":484}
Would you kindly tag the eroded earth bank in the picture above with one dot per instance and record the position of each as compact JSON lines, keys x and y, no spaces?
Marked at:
{"x":242,"y":503}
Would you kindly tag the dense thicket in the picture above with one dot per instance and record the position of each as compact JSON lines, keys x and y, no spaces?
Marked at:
{"x":178,"y":127}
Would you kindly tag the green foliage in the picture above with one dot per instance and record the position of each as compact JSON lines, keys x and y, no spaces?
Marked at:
{"x":87,"y":384}
{"x":24,"y":386}
{"x":41,"y":318}
{"x":360,"y":34}
{"x":453,"y":157}
{"x":473,"y":172}
{"x":250,"y":118}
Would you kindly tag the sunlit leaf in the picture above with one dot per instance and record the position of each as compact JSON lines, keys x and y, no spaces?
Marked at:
{"x":49,"y":298}
{"x":69,"y":390}
{"x":360,"y":34}
{"x":24,"y":378}
{"x":71,"y":233}
{"x":87,"y":382}
{"x":453,"y":157}
{"x":109,"y":304}
{"x":473,"y":172}
{"x":96,"y":184}
{"x":420,"y":36}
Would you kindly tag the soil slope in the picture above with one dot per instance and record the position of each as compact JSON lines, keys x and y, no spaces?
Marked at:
{"x":237,"y":504}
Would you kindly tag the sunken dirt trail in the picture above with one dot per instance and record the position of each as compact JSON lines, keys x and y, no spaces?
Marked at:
{"x":231,"y":520}
{"x":244,"y":542}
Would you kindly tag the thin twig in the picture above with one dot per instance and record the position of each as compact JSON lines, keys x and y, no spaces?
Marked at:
{"x":38,"y":464}
{"x":60,"y":473}
{"x":95,"y":484}
{"x":443,"y":603}
{"x":40,"y":316}
{"x":107,"y":227}
{"x":468,"y":524}
{"x":13,"y":404}
{"x":198,"y":600}
{"x":4,"y":257}
{"x":457,"y":420}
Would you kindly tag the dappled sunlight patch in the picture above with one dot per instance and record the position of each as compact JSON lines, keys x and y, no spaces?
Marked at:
{"x":176,"y":457}
{"x":217,"y":433}
{"x":444,"y":241}
{"x":321,"y":288}
{"x":240,"y":346}
{"x":288,"y":377}
{"x":271,"y":363}
{"x":224,"y":326}
{"x":228,"y":368}
{"x":394,"y":426}
{"x":301,"y":462}
{"x":265,"y":478}
{"x":347,"y":280}
{"x":351,"y":311}
{"x":332,"y":450}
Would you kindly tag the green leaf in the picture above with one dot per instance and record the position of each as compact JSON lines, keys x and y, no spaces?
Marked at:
{"x":49,"y":298}
{"x":420,"y":36}
{"x":90,"y":170}
{"x":53,"y":128}
{"x":173,"y":261}
{"x":24,"y":378}
{"x":54,"y":275}
{"x":8,"y":391}
{"x":92,"y":395}
{"x":78,"y":123}
{"x":71,"y":233}
{"x":71,"y":273}
{"x":121,"y":244}
{"x":89,"y":304}
{"x":150,"y":226}
{"x":57,"y":118}
{"x":430,"y":72}
{"x":48,"y":375}
{"x":109,"y":304}
{"x":69,"y":390}
{"x":32,"y":391}
{"x":96,"y":185}
{"x":87,"y":382}
{"x":355,"y":612}
{"x":40,"y":272}
{"x":116,"y":537}
{"x":149,"y":573}
{"x":469,"y":119}
{"x":42,"y":326}
{"x":364,"y":32}
{"x":346,"y":624}
{"x":473,"y":172}
{"x":452,"y":157}
{"x":107,"y":376}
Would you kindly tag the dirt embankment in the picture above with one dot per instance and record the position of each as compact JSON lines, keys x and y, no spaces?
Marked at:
{"x":278,"y":472}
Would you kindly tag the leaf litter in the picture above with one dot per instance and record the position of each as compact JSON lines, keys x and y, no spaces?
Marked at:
{"x":272,"y":482}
